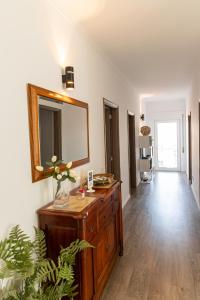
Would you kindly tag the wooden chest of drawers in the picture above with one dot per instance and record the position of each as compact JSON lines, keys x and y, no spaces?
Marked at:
{"x":100,"y":224}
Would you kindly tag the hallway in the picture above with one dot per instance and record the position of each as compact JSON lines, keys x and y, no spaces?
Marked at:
{"x":162,"y":244}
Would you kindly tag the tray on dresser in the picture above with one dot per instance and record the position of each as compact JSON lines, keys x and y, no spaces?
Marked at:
{"x":105,"y":186}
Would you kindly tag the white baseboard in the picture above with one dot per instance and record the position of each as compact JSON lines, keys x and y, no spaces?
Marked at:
{"x":195,"y":195}
{"x":125,"y":202}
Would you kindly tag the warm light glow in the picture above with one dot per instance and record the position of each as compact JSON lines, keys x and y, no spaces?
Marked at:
{"x":143,"y":96}
{"x":58,"y":96}
{"x":62,"y":55}
{"x":80,"y":10}
{"x":63,"y":93}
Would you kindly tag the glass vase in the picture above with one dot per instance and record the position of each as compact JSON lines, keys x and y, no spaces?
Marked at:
{"x":60,"y":193}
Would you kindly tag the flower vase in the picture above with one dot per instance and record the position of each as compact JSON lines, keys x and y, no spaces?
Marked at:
{"x":60,"y":193}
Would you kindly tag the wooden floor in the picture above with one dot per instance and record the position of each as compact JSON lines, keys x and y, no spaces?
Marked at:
{"x":162,"y":244}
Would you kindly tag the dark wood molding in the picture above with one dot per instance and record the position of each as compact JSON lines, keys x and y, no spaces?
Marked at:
{"x":190,"y":148}
{"x":132,"y":151}
{"x":33,"y":93}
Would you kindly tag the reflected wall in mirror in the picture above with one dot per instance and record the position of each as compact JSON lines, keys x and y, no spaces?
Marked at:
{"x":58,"y":126}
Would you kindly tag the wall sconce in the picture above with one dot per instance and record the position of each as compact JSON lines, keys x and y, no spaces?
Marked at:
{"x":142,"y":117}
{"x":68,"y":78}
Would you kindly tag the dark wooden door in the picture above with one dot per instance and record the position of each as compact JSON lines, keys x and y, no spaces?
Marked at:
{"x":112,"y":152}
{"x":189,"y":148}
{"x":132,"y":152}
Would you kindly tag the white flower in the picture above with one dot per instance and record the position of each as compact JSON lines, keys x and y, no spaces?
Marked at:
{"x":69,"y":165}
{"x":57,"y":170}
{"x":59,"y":176}
{"x":39,"y":168}
{"x":65,"y":173}
{"x":54,"y":159}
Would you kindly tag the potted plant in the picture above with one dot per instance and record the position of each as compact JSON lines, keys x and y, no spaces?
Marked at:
{"x":26,"y":273}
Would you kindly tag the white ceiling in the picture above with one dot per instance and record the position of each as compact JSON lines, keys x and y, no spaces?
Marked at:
{"x":155,"y":43}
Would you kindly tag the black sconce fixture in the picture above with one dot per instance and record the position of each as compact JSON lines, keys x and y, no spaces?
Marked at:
{"x":68,"y":78}
{"x":142,"y":117}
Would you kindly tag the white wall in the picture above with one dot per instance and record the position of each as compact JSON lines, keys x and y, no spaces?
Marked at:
{"x":36,"y":41}
{"x":164,"y":110}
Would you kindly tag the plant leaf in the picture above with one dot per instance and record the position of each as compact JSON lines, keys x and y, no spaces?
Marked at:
{"x":72,"y":179}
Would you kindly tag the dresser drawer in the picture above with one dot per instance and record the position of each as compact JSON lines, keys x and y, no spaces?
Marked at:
{"x":104,"y":202}
{"x":105,"y":213}
{"x":115,"y":204}
{"x":104,"y":252}
{"x":91,"y":225}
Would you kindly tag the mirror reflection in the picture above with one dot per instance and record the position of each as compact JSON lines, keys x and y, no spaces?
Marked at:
{"x":62,"y":130}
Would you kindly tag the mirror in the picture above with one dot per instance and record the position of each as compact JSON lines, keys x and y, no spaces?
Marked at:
{"x":58,"y":126}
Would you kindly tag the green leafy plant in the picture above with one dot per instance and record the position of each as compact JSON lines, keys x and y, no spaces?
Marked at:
{"x":26,"y":273}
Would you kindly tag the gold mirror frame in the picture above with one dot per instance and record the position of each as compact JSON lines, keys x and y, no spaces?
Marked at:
{"x":33,"y":94}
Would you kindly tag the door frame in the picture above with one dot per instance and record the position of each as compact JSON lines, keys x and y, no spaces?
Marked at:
{"x":116,"y":141}
{"x":178,"y":169}
{"x":132,"y":158}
